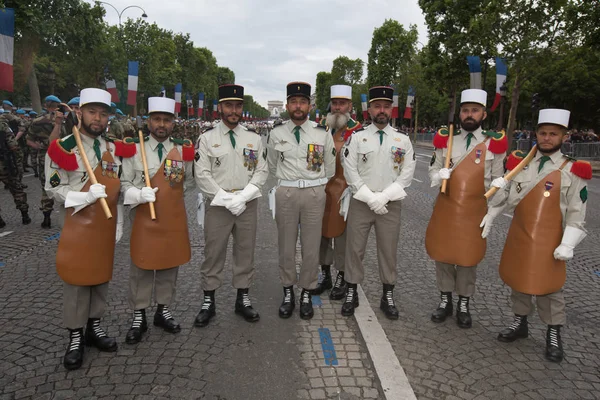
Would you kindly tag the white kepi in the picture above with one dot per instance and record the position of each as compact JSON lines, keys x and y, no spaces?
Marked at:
{"x":341,"y":92}
{"x":555,"y":116}
{"x":473,"y":96}
{"x":161,"y":104}
{"x":93,"y":95}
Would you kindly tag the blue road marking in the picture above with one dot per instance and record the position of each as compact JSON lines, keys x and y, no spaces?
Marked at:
{"x":317,"y":301}
{"x":2,"y":264}
{"x":328,"y":347}
{"x":597,"y":272}
{"x":55,"y":236}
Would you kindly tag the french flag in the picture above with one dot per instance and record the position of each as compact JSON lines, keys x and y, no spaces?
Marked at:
{"x":409,"y":100}
{"x":190,"y":105}
{"x":132,"y":82}
{"x":111,"y":87}
{"x":200,"y":104}
{"x":475,"y":71}
{"x":353,"y":113}
{"x":501,"y":74}
{"x":395,"y":105}
{"x":178,"y":89}
{"x":363,"y":104}
{"x":215,"y":110}
{"x":7,"y":47}
{"x":317,"y":116}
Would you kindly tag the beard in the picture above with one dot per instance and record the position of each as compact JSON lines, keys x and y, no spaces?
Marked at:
{"x":337,"y":121}
{"x":231,"y":119}
{"x":298,"y":115}
{"x":551,"y":150}
{"x":160,"y":133}
{"x":381,"y":119}
{"x":470,"y":124}
{"x":95,"y":132}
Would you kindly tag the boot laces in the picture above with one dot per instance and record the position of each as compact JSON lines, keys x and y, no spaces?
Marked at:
{"x":516,"y":323}
{"x":166,"y":313}
{"x":75,"y":340}
{"x":246,"y":300}
{"x":207,"y":303}
{"x":463,"y":305}
{"x":98,"y":331}
{"x":350,"y":295}
{"x":339,"y":280}
{"x":287,"y":296}
{"x":306,"y":297}
{"x":444,"y":301}
{"x":389,"y":296}
{"x":138,"y":319}
{"x":553,"y":337}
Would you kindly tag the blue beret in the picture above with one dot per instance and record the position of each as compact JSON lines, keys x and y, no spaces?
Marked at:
{"x":21,"y":112}
{"x":8,"y":103}
{"x":32,"y":113}
{"x":52,"y":98}
{"x":74,"y":101}
{"x":113,"y":105}
{"x":145,"y":117}
{"x":120,"y":112}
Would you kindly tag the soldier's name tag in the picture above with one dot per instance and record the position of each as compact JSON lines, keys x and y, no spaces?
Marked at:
{"x":110,"y":169}
{"x":250,"y":159}
{"x":173,"y":171}
{"x":315,"y":157}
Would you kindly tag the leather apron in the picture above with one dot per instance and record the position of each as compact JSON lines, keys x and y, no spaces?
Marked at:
{"x":163,"y":243}
{"x":453,"y":235}
{"x":333,"y":223}
{"x":86,"y":248}
{"x":527,"y":264}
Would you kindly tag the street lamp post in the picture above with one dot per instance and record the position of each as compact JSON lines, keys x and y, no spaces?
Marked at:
{"x":144,"y":15}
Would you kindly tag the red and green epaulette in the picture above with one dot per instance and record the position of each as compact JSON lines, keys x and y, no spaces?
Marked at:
{"x":126,"y":148}
{"x":352,"y":126}
{"x":440,"y":139}
{"x":498,"y":143}
{"x":61,"y":153}
{"x":582,"y":169}
{"x":188,"y":151}
{"x":514,"y":159}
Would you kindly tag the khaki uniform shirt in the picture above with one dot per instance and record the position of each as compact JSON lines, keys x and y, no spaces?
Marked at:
{"x":573,"y":189}
{"x":59,"y":182}
{"x":368,"y":162}
{"x":220,"y":166}
{"x":133,"y":169}
{"x":290,"y":160}
{"x":494,"y":163}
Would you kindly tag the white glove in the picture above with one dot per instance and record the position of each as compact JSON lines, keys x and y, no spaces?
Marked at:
{"x":148,"y":195}
{"x":571,"y":238}
{"x":394,"y":192}
{"x":237,"y":205}
{"x":500,"y":183}
{"x":364,"y":194}
{"x":80,"y":200}
{"x":250,"y":192}
{"x":119,"y":233}
{"x":486,"y":224}
{"x":134,"y":196}
{"x":444,"y":173}
{"x":378,"y":202}
{"x":381,"y":211}
{"x":97,"y":191}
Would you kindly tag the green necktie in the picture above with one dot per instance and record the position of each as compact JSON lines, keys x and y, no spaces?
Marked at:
{"x":297,"y":134}
{"x":380,"y":137}
{"x":543,"y":160}
{"x":160,"y":149}
{"x":232,"y":138}
{"x":97,"y":149}
{"x":469,"y":137}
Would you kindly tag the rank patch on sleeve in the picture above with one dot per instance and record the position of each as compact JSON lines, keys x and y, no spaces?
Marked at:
{"x":264,"y":154}
{"x":55,"y":179}
{"x":432,"y":159}
{"x":197,"y":156}
{"x":583,"y":194}
{"x":346,"y":152}
{"x":333,"y":152}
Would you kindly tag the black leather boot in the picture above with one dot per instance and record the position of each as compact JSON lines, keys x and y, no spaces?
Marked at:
{"x":351,"y":301}
{"x":339,"y":287}
{"x":306,"y":307}
{"x":554,"y":347}
{"x":387,"y":304}
{"x":139,"y":325}
{"x":95,"y":336}
{"x":25,"y":217}
{"x":74,"y":356}
{"x":289,"y":302}
{"x":517,"y":330}
{"x":46,"y":223}
{"x":463,"y":316}
{"x":209,"y":309}
{"x":243,"y":306}
{"x":325,"y":283}
{"x":164,"y":319}
{"x":444,"y":309}
{"x":2,"y":223}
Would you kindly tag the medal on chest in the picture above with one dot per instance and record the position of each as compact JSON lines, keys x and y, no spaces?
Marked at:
{"x":478,"y":156}
{"x":110,"y":169}
{"x":314,"y":157}
{"x":398,"y":156}
{"x":173,"y":171}
{"x":250,"y":159}
{"x":549,"y":185}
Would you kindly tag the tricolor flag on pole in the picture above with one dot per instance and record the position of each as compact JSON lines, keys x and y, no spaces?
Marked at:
{"x":317,"y":116}
{"x":395,"y":105}
{"x":178,"y":90}
{"x":475,"y":70}
{"x":190,"y":105}
{"x":132,"y":82}
{"x":163,"y":92}
{"x":501,"y":74}
{"x":215,"y":110}
{"x":200,"y":105}
{"x":111,"y":87}
{"x":363,"y":103}
{"x":7,"y":47}
{"x":409,"y":100}
{"x":353,"y":113}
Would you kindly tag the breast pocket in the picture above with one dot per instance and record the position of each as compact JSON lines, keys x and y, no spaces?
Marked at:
{"x":366,"y":157}
{"x":217,"y":156}
{"x":519,"y":184}
{"x":283,"y":147}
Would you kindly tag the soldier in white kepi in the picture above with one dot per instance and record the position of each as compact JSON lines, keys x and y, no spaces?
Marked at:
{"x":548,"y":196}
{"x":301,"y":156}
{"x":231,"y":168}
{"x":158,"y":246}
{"x":379,"y":163}
{"x":84,"y":259}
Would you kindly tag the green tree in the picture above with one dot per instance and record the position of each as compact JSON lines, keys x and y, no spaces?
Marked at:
{"x":322,"y":90}
{"x":346,"y":71}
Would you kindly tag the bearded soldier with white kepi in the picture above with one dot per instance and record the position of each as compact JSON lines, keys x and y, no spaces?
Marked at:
{"x":158,"y":246}
{"x":379,"y":163}
{"x":84,"y":259}
{"x":333,"y":242}
{"x":231,"y":168}
{"x":453,"y":237}
{"x":301,"y":156}
{"x":548,"y":196}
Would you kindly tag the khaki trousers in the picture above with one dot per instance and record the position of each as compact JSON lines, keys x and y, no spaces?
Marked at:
{"x":304,"y":207}
{"x":454,"y":278}
{"x":333,"y":252}
{"x":551,"y":307}
{"x":387,"y":234}
{"x":141,"y":282}
{"x":83,"y":302}
{"x":219,"y":223}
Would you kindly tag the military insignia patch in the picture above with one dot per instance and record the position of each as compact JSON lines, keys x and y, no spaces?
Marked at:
{"x":583,"y":194}
{"x":346,"y":152}
{"x":54,"y":179}
{"x":333,"y":152}
{"x":264,"y":154}
{"x":197,"y":156}
{"x":250,"y":145}
{"x":519,"y":188}
{"x":432,"y":159}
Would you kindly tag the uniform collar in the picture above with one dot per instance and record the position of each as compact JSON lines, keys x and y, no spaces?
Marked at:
{"x":387,"y":129}
{"x":478,"y":133}
{"x":304,"y":127}
{"x":555,"y":158}
{"x":88,"y":140}
{"x":225,"y":130}
{"x":154,"y":143}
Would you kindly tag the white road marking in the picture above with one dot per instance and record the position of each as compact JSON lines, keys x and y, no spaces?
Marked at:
{"x":424,"y":162}
{"x":27,"y":176}
{"x":424,"y":155}
{"x":507,"y":215}
{"x":418,"y":180}
{"x":393,"y":380}
{"x":5,"y":233}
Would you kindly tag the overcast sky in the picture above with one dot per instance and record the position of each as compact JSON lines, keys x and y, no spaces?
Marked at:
{"x":270,"y":43}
